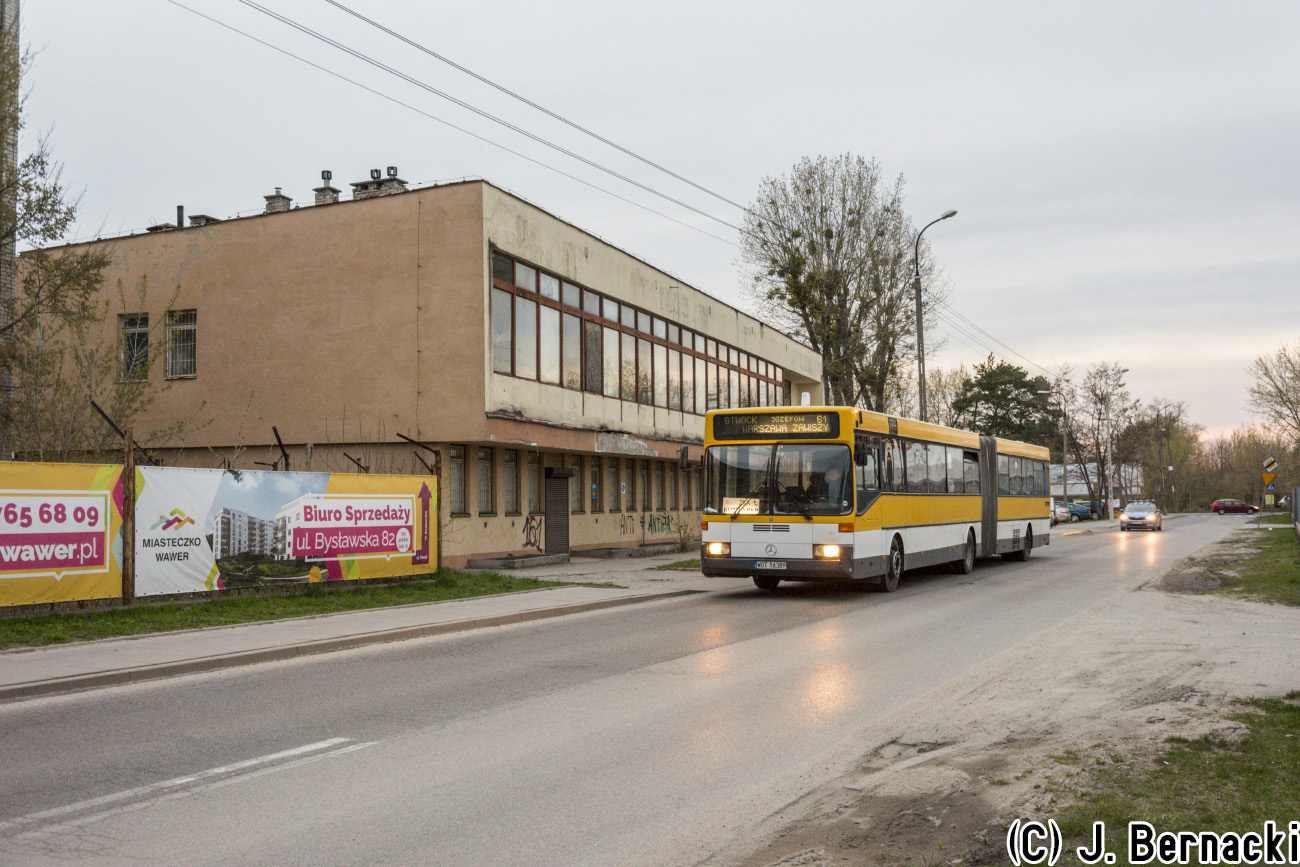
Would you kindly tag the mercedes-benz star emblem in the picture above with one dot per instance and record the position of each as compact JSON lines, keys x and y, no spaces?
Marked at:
{"x":771,"y":550}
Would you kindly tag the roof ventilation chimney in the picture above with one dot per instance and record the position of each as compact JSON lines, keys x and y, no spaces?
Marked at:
{"x":378,"y":185}
{"x":277,"y":202}
{"x":326,"y":194}
{"x":202,"y":220}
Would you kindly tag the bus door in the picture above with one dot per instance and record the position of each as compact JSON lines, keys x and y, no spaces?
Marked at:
{"x":866,"y":470}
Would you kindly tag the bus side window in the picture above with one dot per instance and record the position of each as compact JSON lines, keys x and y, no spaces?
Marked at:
{"x":971,"y":465}
{"x":956,"y":475}
{"x":1004,"y":476}
{"x":894,"y":478}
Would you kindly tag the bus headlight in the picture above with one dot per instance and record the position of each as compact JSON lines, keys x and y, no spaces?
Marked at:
{"x":826,"y":552}
{"x":719,"y":549}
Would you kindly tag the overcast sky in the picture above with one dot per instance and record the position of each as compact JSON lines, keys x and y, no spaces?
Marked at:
{"x":1127,"y":175}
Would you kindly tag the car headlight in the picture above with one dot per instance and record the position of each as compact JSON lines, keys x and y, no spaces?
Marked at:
{"x":826,"y":552}
{"x":1123,"y":517}
{"x":719,"y":549}
{"x":1151,"y":517}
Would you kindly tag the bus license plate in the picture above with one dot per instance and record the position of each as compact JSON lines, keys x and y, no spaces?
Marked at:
{"x":771,"y":564}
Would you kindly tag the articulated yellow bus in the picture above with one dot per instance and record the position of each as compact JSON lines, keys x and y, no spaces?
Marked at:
{"x":838,"y":494}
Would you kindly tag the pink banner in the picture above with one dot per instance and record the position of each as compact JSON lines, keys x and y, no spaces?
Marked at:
{"x":39,"y":551}
{"x":351,"y":541}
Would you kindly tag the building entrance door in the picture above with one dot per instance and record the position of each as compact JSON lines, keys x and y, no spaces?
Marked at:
{"x":557,"y":509}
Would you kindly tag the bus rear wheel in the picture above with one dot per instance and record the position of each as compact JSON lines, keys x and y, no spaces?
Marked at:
{"x":893,"y":567}
{"x":763,"y":582}
{"x":966,"y":564}
{"x":1026,"y":547}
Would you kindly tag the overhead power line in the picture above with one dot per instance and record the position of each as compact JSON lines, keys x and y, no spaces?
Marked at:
{"x":365,"y":58}
{"x":530,"y":103}
{"x":968,"y":328}
{"x":448,"y":124}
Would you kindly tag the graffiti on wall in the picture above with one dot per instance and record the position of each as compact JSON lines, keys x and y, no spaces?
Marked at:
{"x":657,"y":523}
{"x":533,"y":532}
{"x":628,"y":525}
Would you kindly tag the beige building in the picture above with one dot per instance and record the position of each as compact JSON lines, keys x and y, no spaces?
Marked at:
{"x":556,"y":377}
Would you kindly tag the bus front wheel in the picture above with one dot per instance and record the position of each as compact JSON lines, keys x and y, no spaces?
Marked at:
{"x":893,"y":568}
{"x":763,"y":582}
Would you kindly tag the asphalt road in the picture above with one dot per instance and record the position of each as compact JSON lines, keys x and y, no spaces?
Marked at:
{"x":630,"y":736}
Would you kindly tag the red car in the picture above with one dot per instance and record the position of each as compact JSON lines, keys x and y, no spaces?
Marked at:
{"x":1223,"y":507}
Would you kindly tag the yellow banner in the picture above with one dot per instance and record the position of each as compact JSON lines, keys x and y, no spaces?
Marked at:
{"x":60,"y":532}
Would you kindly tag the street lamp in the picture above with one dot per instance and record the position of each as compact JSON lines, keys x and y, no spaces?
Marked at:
{"x":920,"y":329}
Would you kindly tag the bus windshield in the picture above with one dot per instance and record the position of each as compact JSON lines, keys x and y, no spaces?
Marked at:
{"x":778,"y":479}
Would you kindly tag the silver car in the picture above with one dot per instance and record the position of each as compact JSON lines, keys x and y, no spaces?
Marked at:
{"x":1141,"y":515}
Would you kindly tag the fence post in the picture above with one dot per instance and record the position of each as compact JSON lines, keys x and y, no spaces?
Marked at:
{"x":437,"y":509}
{"x":128,"y":521}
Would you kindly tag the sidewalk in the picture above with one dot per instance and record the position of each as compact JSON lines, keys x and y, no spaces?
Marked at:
{"x":83,"y":665}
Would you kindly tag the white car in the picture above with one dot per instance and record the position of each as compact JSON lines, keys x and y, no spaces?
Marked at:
{"x":1059,"y":513}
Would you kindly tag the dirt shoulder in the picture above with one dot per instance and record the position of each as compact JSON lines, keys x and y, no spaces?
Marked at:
{"x":1112,"y":682}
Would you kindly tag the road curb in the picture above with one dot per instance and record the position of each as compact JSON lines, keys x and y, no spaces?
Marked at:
{"x":196,"y":665}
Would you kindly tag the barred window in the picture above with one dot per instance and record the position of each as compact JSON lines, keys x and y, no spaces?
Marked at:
{"x":182,"y":342}
{"x":511,"y":481}
{"x":597,"y":492}
{"x":135,"y":345}
{"x":615,"y":480}
{"x":456,"y":481}
{"x":534,"y":483}
{"x":485,"y":503}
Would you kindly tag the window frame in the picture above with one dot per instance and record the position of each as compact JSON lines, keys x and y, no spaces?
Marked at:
{"x":175,"y":328}
{"x":133,"y":364}
{"x":486,"y":458}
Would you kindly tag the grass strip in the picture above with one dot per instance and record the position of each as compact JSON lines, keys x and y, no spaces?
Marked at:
{"x":312,"y":599}
{"x":1273,"y":573}
{"x":1208,"y":784}
{"x":691,"y":565}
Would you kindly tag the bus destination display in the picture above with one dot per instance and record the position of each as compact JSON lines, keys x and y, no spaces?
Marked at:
{"x":777,"y":426}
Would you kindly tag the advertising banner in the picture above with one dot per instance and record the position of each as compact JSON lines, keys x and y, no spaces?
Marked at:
{"x":216,"y":529}
{"x":60,"y":532}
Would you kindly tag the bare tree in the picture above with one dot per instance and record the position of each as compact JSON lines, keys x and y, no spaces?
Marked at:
{"x":831,"y":251}
{"x":1104,"y":407}
{"x":36,"y":210}
{"x":1276,"y":392}
{"x":64,"y":364}
{"x":942,"y":385}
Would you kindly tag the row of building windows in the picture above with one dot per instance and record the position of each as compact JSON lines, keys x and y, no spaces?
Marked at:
{"x":598,"y":484}
{"x":556,"y":332}
{"x":182,"y":344}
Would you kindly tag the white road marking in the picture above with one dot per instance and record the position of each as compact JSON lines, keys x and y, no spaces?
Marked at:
{"x":223,"y":770}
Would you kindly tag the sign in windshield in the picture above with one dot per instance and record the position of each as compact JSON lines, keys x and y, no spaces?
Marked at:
{"x":777,"y":426}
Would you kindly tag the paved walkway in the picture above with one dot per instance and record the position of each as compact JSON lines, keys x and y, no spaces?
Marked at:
{"x":41,"y":671}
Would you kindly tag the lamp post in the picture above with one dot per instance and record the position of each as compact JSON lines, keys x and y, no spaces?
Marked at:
{"x":920,"y":328}
{"x":1107,"y":470}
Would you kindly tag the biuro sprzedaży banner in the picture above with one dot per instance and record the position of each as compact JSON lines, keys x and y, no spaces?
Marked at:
{"x":60,"y":532}
{"x":216,"y":529}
